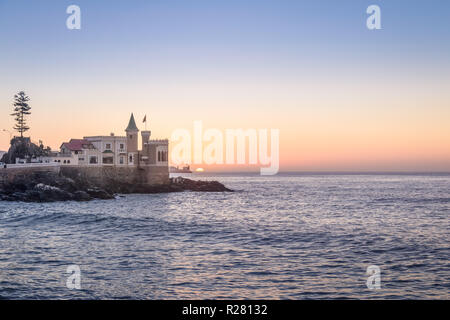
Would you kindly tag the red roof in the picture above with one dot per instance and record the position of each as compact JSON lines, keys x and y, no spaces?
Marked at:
{"x":77,"y":144}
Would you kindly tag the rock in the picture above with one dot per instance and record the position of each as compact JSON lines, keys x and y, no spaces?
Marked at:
{"x":45,"y":187}
{"x":33,"y":196}
{"x":18,"y":196}
{"x":7,"y":198}
{"x":47,"y":193}
{"x":182,"y":184}
{"x":81,"y":196}
{"x":99,"y":194}
{"x":22,"y":147}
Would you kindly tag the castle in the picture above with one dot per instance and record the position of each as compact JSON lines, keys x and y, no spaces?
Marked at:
{"x":118,"y":155}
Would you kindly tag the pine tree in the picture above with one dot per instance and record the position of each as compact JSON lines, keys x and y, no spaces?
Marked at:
{"x":21,"y":109}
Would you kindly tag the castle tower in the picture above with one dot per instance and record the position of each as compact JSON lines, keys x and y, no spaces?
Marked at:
{"x":132,"y":135}
{"x":145,"y":138}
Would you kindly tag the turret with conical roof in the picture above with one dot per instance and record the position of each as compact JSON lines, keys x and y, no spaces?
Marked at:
{"x":132,"y":125}
{"x":132,"y":135}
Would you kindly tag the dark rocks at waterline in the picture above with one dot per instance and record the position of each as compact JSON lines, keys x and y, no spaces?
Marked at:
{"x":183,"y":184}
{"x":42,"y":187}
{"x":47,"y":193}
{"x":177,"y":185}
{"x":97,"y":193}
{"x":49,"y":187}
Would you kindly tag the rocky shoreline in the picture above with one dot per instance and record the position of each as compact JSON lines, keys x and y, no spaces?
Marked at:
{"x":49,"y":188}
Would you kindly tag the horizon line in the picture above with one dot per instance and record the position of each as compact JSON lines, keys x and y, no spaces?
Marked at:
{"x":331,"y":172}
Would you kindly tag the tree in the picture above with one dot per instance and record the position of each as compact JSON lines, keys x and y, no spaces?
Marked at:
{"x":21,"y":109}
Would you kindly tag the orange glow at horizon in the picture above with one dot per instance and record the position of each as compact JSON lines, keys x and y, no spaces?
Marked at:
{"x":402,"y":128}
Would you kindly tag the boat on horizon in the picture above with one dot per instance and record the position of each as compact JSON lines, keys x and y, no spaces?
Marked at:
{"x":177,"y":169}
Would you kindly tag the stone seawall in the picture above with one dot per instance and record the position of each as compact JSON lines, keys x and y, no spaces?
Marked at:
{"x":105,"y":175}
{"x":10,"y":174}
{"x":157,"y":175}
{"x":102,"y":176}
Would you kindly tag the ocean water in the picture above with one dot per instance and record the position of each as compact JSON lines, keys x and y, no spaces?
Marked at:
{"x":281,"y":237}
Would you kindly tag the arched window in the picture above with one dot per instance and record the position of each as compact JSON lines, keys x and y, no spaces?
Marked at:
{"x":131,"y":158}
{"x":159,"y":155}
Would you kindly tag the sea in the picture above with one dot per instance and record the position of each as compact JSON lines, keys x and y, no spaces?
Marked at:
{"x":289,"y":236}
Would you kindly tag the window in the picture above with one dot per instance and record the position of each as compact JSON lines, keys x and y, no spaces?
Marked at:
{"x":122,"y":146}
{"x":92,"y":160}
{"x":121,"y":160}
{"x":108,"y":146}
{"x":68,"y":161}
{"x":131,"y":158}
{"x":65,"y":161}
{"x":108,"y":160}
{"x":162,"y":156}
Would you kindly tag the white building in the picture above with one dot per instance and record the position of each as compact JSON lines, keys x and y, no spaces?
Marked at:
{"x":77,"y":152}
{"x":110,"y":150}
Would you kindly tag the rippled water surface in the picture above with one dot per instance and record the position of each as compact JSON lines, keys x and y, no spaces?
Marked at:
{"x":282,"y":237}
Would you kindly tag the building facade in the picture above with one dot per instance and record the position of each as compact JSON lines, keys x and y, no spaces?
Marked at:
{"x":118,"y":151}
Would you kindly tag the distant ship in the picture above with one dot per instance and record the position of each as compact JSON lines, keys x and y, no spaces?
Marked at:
{"x":185,"y":169}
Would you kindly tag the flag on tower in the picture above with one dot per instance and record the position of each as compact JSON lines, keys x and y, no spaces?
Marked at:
{"x":145,"y":119}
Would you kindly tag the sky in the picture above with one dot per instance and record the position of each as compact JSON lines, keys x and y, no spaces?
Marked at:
{"x":345,"y":98}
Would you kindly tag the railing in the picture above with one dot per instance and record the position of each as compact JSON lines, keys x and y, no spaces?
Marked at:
{"x":31,"y":165}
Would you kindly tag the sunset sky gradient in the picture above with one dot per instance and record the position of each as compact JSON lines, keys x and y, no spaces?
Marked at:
{"x":344,"y":98}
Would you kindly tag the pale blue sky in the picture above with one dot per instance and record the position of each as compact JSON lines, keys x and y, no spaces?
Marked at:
{"x":217,"y":37}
